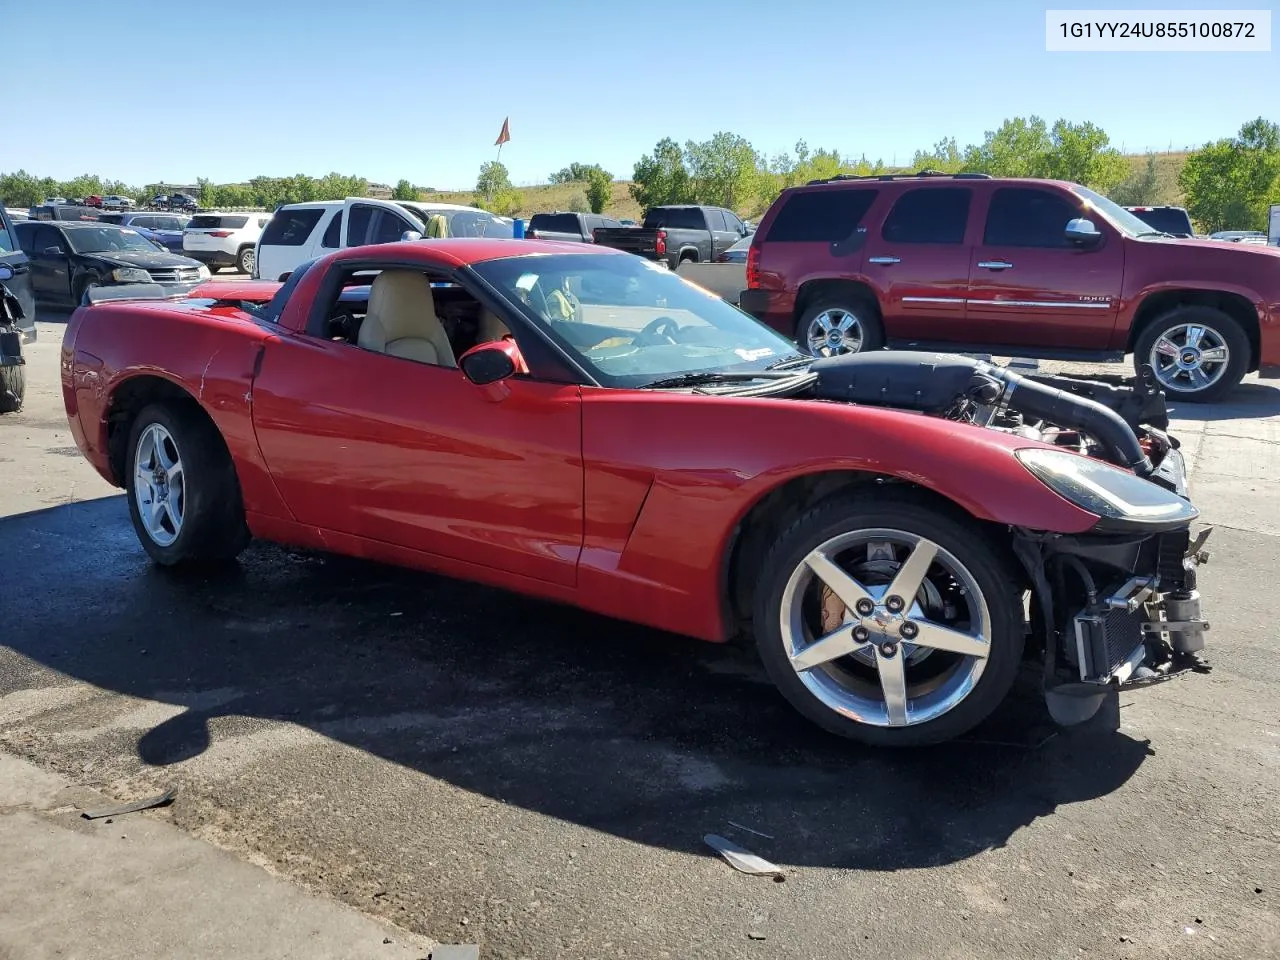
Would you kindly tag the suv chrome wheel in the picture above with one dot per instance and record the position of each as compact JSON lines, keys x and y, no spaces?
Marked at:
{"x":885,"y":627}
{"x":833,"y":332}
{"x":1189,"y":357}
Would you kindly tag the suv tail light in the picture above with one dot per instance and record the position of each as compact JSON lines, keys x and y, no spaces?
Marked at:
{"x":753,"y":267}
{"x":660,"y":244}
{"x":219,"y":233}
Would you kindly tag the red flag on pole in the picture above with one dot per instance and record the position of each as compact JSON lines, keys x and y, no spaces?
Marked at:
{"x":505,"y":135}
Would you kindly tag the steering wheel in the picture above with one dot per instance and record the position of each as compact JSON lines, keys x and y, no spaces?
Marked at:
{"x":661,"y":330}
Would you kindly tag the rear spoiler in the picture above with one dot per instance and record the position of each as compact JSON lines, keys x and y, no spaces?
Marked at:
{"x":131,"y":291}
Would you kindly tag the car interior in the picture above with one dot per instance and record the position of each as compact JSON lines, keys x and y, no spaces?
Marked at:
{"x":403,"y":313}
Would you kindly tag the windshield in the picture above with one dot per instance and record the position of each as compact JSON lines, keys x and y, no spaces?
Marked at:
{"x":108,"y":240}
{"x":630,"y":322}
{"x":1116,"y":215}
{"x":465,"y":223}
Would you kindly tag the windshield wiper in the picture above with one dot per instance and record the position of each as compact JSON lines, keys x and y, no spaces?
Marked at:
{"x":790,"y":360}
{"x":694,"y":379}
{"x":1155,"y":233}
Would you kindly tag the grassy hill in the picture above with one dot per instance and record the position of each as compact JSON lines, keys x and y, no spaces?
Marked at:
{"x":560,"y":196}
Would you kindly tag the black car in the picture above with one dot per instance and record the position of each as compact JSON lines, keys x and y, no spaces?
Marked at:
{"x":1174,"y":221}
{"x":68,"y":258}
{"x":13,"y":256}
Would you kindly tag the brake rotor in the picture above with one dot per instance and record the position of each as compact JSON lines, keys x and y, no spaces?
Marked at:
{"x":875,"y":576}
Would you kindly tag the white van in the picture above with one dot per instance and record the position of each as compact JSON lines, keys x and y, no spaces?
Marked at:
{"x":299,"y":232}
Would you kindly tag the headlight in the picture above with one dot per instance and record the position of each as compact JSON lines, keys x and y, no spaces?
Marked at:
{"x":203,"y":272}
{"x":1122,"y":499}
{"x":130,"y":275}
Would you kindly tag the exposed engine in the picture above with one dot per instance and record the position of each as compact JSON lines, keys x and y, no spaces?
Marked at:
{"x":1118,"y":605}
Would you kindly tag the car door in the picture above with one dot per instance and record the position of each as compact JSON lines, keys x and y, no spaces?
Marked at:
{"x":413,"y":454}
{"x":50,"y":264}
{"x":375,"y":221}
{"x":918,"y":261}
{"x":1032,"y":286}
{"x":12,"y":255}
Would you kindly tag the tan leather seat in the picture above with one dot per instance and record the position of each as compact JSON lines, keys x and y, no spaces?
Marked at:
{"x":491,"y":327}
{"x":402,"y":320}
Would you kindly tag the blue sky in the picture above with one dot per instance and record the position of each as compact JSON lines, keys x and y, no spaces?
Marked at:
{"x":397,"y":88}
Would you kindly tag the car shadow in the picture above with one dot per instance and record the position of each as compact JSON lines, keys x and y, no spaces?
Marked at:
{"x":1248,"y":400}
{"x":650,"y":737}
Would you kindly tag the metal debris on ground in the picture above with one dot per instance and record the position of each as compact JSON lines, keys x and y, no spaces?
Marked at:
{"x":739,"y":826}
{"x":742,"y":859}
{"x":456,"y":951}
{"x":134,"y":807}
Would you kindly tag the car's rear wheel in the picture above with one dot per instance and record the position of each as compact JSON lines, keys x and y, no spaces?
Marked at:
{"x":245,"y":260}
{"x":839,"y":324}
{"x":13,"y":387}
{"x":184,"y":496}
{"x":1198,"y":354}
{"x":888,"y":620}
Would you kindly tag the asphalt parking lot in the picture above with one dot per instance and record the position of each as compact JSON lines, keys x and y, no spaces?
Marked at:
{"x":482,"y":768}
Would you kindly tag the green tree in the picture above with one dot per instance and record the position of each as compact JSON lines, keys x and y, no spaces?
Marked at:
{"x":662,"y":177}
{"x":599,"y":189}
{"x":492,"y":181}
{"x":1082,"y":153}
{"x":1016,"y":149}
{"x":1230,"y":183}
{"x":725,"y":170}
{"x":578,"y":173}
{"x":1139,"y":188}
{"x":404,"y":190}
{"x":945,"y":157}
{"x":578,"y":202}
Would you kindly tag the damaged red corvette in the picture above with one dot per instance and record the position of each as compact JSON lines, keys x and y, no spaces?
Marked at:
{"x":897,"y":533}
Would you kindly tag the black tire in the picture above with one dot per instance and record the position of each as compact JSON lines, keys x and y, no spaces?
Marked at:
{"x":213,"y":268}
{"x":1226,"y":327}
{"x":866,"y":314}
{"x":84,"y":284}
{"x":13,"y":387}
{"x":966,"y":541}
{"x":244,"y":260}
{"x":213,"y":527}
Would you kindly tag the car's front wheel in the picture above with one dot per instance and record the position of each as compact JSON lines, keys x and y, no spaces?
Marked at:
{"x":184,"y":496}
{"x":889,"y":620}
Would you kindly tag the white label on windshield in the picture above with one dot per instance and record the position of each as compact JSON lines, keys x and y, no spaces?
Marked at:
{"x":527,"y":281}
{"x":127,"y":230}
{"x":759,"y":354}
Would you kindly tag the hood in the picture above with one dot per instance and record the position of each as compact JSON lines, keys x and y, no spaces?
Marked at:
{"x":141,"y":258}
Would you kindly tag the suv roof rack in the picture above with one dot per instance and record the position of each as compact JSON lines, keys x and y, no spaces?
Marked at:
{"x":901,"y":176}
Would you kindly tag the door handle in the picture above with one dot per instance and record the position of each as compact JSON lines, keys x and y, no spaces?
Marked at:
{"x":995,"y":264}
{"x":884,"y":260}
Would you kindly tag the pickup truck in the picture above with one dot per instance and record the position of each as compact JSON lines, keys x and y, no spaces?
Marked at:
{"x":1042,"y":269}
{"x":569,"y":227}
{"x":676,"y":234}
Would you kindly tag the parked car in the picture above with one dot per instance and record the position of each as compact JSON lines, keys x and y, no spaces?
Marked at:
{"x":53,"y":201}
{"x":17,"y":214}
{"x":13,"y":365}
{"x":678,"y":233}
{"x":63,"y":211}
{"x":737,"y":253}
{"x":70,"y":259}
{"x":224,"y":239}
{"x":15,"y":258}
{"x":113,"y":202}
{"x":1174,"y":221}
{"x":1011,"y":267}
{"x":574,"y":227}
{"x":301,"y":231}
{"x":173,"y":201}
{"x":93,"y":200}
{"x":1235,"y":236}
{"x":598,"y":432}
{"x":164,"y":228}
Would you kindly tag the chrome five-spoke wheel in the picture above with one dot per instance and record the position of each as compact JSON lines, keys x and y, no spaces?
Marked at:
{"x":885,"y":627}
{"x":889,"y":618}
{"x":158,"y":484}
{"x":1189,"y":357}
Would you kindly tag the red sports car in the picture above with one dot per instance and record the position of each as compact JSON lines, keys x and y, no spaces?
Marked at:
{"x":895,"y":532}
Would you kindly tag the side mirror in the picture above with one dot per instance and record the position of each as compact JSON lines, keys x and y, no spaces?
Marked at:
{"x":1083,"y":232}
{"x":52,"y":252}
{"x":6,"y":272}
{"x":411,"y":235}
{"x":491,"y":362}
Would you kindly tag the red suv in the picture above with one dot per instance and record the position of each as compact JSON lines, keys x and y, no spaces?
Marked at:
{"x":1011,"y":267}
